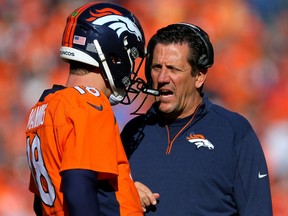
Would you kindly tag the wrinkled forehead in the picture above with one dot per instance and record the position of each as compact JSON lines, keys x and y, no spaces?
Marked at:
{"x":175,"y":50}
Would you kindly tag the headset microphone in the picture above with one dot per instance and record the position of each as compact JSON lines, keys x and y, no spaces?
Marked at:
{"x":150,"y":91}
{"x":144,"y":87}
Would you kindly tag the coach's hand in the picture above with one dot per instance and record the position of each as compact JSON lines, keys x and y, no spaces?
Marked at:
{"x":146,"y":196}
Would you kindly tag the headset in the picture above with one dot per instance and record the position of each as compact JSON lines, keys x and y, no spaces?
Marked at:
{"x":205,"y":61}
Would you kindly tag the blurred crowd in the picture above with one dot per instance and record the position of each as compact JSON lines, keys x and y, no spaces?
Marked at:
{"x":250,"y":75}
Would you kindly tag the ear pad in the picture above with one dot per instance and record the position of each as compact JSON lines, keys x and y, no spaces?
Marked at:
{"x":207,"y":58}
{"x":148,"y":60}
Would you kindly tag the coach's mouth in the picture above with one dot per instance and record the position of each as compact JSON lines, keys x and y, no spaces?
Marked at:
{"x":166,"y":92}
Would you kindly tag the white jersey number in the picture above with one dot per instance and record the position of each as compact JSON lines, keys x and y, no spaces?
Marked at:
{"x":39,"y":172}
{"x":91,"y":90}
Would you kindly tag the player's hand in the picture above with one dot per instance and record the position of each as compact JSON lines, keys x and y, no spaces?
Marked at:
{"x":146,"y":196}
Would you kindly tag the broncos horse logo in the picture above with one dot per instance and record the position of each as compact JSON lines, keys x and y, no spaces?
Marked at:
{"x":114,"y":20}
{"x":199,"y":140}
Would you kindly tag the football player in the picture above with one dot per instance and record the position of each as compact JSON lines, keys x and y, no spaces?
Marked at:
{"x":78,"y":165}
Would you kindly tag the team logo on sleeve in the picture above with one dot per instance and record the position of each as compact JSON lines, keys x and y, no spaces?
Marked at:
{"x":200,"y":141}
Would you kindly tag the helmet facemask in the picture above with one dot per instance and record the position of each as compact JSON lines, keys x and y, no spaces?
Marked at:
{"x":118,"y":65}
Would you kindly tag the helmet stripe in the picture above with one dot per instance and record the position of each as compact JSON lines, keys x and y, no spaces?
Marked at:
{"x":103,"y":12}
{"x":70,"y":28}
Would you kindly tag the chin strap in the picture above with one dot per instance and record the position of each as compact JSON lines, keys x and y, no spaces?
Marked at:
{"x":117,"y":94}
{"x":114,"y":100}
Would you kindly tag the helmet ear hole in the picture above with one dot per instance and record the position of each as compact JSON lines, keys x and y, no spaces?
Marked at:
{"x":115,"y":59}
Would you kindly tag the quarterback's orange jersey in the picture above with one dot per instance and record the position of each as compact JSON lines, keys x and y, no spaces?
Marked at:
{"x":75,"y":128}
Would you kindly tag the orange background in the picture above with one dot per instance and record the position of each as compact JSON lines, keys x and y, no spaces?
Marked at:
{"x":250,"y":75}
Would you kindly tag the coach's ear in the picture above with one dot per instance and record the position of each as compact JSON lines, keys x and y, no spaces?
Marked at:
{"x":200,"y":79}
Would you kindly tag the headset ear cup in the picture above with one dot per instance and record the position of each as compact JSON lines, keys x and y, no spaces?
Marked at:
{"x":206,"y":60}
{"x":148,"y":62}
{"x":203,"y":61}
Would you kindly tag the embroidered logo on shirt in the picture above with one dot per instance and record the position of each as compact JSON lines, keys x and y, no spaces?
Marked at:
{"x":261,"y":175}
{"x":100,"y":108}
{"x":200,"y":141}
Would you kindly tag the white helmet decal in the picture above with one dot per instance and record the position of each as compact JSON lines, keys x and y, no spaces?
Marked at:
{"x":119,"y":24}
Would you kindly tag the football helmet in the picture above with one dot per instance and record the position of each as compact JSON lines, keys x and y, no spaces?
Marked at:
{"x":108,"y":36}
